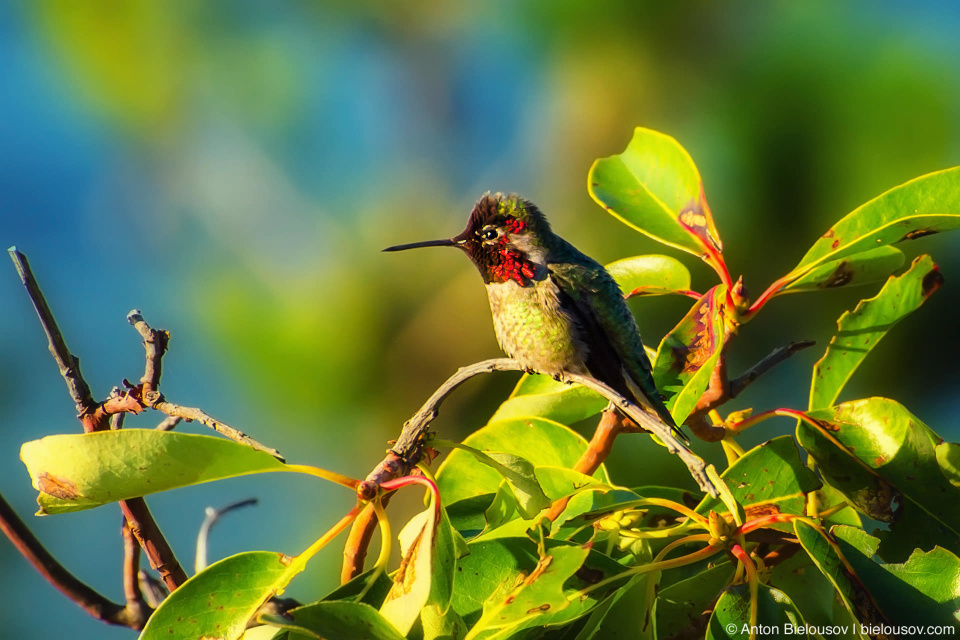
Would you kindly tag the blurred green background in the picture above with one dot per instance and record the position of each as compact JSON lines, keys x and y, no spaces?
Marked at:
{"x":233,"y":170}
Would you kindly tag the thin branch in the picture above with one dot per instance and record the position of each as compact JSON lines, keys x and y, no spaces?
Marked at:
{"x":358,"y":540}
{"x":777,"y":356}
{"x":68,"y":364}
{"x":409,"y":447}
{"x":148,"y":534}
{"x":192,"y":413}
{"x":136,"y":605}
{"x":95,"y":417}
{"x":92,"y":602}
{"x":211,"y":516}
{"x":155,"y":344}
{"x":168,"y":423}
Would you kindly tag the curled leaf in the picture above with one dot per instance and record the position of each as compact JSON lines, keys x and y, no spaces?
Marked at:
{"x":654,"y":187}
{"x":688,"y":354}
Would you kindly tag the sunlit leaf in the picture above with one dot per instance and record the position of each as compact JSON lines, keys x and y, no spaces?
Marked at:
{"x":541,"y":442}
{"x":81,"y":471}
{"x":494,"y":567}
{"x":445,"y":626}
{"x":924,"y":590}
{"x":413,"y":581}
{"x":688,"y":354}
{"x":654,"y":187}
{"x":655,"y":272}
{"x":948,"y":457}
{"x":542,"y":396}
{"x":862,"y":328}
{"x":430,"y":548}
{"x":218,"y":601}
{"x":519,"y":476}
{"x":560,"y":482}
{"x":538,"y":594}
{"x":880,"y":435}
{"x":731,"y":615}
{"x":924,"y":206}
{"x":770,"y":478}
{"x":856,"y":601}
{"x":337,"y":619}
{"x":858,"y":269}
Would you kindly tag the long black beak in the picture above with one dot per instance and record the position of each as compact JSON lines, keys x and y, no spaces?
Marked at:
{"x":426,"y":243}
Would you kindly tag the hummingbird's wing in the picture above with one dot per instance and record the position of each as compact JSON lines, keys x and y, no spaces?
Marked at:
{"x":616,"y":355}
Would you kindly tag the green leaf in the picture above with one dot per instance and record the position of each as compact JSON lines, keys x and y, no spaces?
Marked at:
{"x":374,"y":595}
{"x":649,"y":274}
{"x":81,"y":471}
{"x":769,"y":478}
{"x":338,"y":619}
{"x":519,"y":475}
{"x":775,"y":610}
{"x":856,"y":601}
{"x":948,"y":457}
{"x":862,"y":328}
{"x":814,"y":595}
{"x":537,"y":594}
{"x":859,"y":269}
{"x":925,"y":205}
{"x":445,"y":626}
{"x":627,"y":613}
{"x":922,"y":591}
{"x":654,"y":187}
{"x":218,"y":601}
{"x":430,"y":548}
{"x":541,"y":442}
{"x":542,"y":396}
{"x":494,"y":567}
{"x":560,"y":482}
{"x":881,"y":437}
{"x":680,"y":605}
{"x":688,"y":354}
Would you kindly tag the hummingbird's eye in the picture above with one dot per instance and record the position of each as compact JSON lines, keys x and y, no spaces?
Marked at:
{"x":489,"y":234}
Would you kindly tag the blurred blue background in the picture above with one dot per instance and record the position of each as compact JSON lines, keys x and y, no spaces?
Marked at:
{"x":233,"y":170}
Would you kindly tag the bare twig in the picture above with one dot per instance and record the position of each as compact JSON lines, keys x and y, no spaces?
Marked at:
{"x":136,"y":605}
{"x":92,"y":602}
{"x":168,"y":423}
{"x":155,"y":344}
{"x":358,"y":540}
{"x":191,"y":413}
{"x":409,"y":447}
{"x":775,"y":357}
{"x":68,"y":364}
{"x":148,"y":534}
{"x":94,"y":416}
{"x":211,"y":516}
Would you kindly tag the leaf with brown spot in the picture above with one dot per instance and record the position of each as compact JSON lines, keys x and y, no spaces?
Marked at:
{"x":862,"y":268}
{"x":879,"y":429}
{"x":688,"y":354}
{"x":655,"y":188}
{"x":925,"y":205}
{"x":749,"y":481}
{"x":81,"y":471}
{"x":539,"y":593}
{"x":220,"y":600}
{"x":862,"y":328}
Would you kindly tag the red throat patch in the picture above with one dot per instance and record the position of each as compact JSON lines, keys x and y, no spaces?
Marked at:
{"x":512,"y":265}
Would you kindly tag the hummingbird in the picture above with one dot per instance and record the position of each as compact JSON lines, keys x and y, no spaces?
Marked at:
{"x":555,"y":310}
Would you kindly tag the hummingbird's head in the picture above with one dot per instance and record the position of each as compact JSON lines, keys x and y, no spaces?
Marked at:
{"x":504,"y":238}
